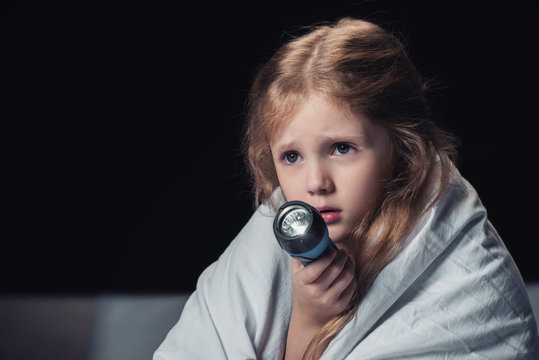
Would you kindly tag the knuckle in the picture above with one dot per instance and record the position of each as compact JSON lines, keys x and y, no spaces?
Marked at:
{"x":341,"y":255}
{"x":326,"y":301}
{"x":315,"y":292}
{"x":349,"y":276}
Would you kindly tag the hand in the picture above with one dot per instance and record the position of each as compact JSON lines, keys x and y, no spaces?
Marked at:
{"x":322,"y":289}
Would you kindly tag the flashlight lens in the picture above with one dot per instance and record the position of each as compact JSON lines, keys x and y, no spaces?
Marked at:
{"x":296,"y":222}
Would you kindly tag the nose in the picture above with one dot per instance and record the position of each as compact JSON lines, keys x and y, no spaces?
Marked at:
{"x":318,"y":178}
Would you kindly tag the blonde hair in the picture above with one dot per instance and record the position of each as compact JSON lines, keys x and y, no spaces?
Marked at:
{"x":366,"y":69}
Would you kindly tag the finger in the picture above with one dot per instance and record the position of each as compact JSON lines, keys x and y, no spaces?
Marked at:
{"x":333,"y":270}
{"x":348,"y":292}
{"x":341,"y":283}
{"x":345,"y":281}
{"x":310,"y":273}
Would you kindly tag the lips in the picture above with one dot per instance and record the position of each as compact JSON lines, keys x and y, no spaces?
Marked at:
{"x":330,"y":215}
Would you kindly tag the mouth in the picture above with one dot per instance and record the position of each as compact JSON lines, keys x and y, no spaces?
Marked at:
{"x":330,"y":215}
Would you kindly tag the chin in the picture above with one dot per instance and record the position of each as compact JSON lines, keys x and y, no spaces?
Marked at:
{"x":339,"y":238}
{"x":336,"y":233}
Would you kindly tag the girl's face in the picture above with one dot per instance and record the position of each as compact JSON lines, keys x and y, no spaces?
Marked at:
{"x":333,"y":160}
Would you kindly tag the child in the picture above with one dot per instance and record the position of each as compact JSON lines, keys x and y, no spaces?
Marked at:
{"x":338,"y":119}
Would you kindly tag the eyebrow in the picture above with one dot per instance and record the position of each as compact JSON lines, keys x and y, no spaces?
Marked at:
{"x":338,"y":138}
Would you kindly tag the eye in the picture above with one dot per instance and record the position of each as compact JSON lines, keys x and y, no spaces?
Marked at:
{"x":291,"y":157}
{"x":342,"y":149}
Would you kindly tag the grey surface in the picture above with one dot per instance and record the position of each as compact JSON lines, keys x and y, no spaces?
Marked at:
{"x":119,"y":327}
{"x":45,"y":327}
{"x":116,"y":327}
{"x":132,"y":327}
{"x":533,"y":293}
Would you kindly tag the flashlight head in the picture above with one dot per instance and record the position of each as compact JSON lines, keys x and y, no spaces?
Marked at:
{"x":296,"y":220}
{"x":301,"y":231}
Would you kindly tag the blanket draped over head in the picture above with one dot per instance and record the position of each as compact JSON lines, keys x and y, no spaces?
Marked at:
{"x":453,"y":292}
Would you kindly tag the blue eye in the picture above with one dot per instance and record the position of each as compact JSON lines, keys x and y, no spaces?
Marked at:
{"x":291,"y":157}
{"x":342,"y":149}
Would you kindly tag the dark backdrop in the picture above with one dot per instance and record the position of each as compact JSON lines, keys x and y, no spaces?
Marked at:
{"x":122,"y":129}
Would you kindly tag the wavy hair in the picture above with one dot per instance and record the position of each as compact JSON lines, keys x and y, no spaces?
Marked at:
{"x":365,"y":69}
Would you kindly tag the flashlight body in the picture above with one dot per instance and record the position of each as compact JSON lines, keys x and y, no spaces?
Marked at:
{"x":311,"y":238}
{"x":315,"y":252}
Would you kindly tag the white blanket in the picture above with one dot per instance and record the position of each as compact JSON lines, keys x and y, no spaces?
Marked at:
{"x":453,"y":292}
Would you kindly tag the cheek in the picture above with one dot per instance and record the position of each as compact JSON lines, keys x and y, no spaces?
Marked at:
{"x":364,"y":187}
{"x":287,"y":185}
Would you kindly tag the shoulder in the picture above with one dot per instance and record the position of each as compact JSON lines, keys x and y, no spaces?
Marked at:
{"x":454,"y":286}
{"x":240,"y":299}
{"x":472,"y":290}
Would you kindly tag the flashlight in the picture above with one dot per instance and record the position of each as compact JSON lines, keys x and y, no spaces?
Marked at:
{"x":301,"y":231}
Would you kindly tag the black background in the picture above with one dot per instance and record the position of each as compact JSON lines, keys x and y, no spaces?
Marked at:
{"x":122,"y":127}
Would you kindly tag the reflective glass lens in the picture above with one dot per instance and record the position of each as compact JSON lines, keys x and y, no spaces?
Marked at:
{"x":296,"y":222}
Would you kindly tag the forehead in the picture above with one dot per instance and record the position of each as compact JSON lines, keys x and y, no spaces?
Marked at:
{"x":318,"y":117}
